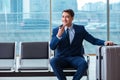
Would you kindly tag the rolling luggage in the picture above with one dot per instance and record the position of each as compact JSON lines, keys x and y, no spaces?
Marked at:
{"x":108,"y":63}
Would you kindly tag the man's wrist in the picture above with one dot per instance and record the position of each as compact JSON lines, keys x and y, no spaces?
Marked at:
{"x":58,"y":37}
{"x":105,"y":43}
{"x":108,"y":43}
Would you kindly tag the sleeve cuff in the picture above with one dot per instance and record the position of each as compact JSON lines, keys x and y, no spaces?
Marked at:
{"x":58,"y":37}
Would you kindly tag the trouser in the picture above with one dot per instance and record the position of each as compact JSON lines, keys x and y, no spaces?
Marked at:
{"x":59,"y":63}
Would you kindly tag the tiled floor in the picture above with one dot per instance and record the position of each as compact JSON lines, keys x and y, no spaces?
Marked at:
{"x":92,"y":74}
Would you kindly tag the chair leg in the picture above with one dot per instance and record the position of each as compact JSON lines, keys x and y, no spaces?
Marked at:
{"x":87,"y":77}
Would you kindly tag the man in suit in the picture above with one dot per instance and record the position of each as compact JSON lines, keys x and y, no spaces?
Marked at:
{"x":67,"y":42}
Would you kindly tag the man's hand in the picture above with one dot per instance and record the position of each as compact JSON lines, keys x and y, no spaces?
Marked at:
{"x":108,"y":43}
{"x":60,"y":31}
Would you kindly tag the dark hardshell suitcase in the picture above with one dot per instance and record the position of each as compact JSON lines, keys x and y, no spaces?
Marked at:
{"x":108,"y":63}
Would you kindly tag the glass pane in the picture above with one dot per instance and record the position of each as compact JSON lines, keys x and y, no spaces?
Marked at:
{"x":115,"y":21}
{"x":24,"y":20}
{"x":90,"y":13}
{"x":95,"y":12}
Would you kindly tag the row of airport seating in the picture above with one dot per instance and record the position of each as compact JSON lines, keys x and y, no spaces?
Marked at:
{"x":32,"y":60}
{"x":30,"y":54}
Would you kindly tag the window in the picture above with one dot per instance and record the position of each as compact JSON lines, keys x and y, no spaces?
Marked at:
{"x":24,"y":20}
{"x":96,"y":20}
{"x":31,"y":20}
{"x":115,"y":21}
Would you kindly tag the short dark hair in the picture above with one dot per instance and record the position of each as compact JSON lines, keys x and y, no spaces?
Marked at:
{"x":69,"y":11}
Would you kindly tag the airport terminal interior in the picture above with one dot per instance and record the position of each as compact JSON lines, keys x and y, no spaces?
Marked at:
{"x":33,"y":21}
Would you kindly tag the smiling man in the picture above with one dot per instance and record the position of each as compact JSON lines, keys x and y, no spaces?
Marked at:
{"x":67,"y":40}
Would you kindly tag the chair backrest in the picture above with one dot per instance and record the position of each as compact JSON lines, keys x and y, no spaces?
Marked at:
{"x":7,"y":50}
{"x":7,"y":56}
{"x":34,"y":56}
{"x":34,"y":50}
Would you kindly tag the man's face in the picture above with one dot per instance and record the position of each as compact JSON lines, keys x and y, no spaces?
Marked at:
{"x":66,"y":19}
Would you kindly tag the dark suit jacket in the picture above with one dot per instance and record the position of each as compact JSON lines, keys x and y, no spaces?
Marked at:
{"x":64,"y":49}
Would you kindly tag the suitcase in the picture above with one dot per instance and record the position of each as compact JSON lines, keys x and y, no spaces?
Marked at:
{"x":108,"y":63}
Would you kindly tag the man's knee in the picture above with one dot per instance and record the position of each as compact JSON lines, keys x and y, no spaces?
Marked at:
{"x":85,"y":65}
{"x":52,"y":61}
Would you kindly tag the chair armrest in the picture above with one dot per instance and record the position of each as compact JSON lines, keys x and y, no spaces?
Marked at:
{"x":87,"y":57}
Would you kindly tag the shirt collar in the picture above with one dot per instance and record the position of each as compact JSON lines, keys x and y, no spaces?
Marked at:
{"x":71,"y":27}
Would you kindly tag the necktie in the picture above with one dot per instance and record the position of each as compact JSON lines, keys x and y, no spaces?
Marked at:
{"x":67,"y":35}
